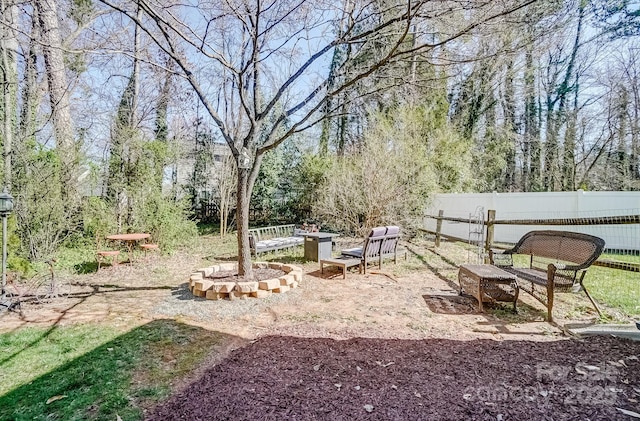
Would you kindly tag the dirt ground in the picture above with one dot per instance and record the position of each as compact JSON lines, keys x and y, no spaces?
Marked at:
{"x":394,"y":302}
{"x":407,"y":319}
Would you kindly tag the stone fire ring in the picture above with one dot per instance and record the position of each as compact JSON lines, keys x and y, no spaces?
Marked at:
{"x":202,"y":285}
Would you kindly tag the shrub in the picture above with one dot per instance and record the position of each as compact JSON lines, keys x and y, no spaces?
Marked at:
{"x":403,"y":158}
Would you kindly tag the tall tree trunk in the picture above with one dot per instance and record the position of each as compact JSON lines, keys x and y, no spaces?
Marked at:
{"x":622,"y":157}
{"x":343,"y":122}
{"x":243,"y":196}
{"x":634,"y":157}
{"x":531,"y":149}
{"x":30,"y":98}
{"x":122,"y":160}
{"x":29,"y":94}
{"x":510,"y":120}
{"x":556,"y":118}
{"x":568,"y":160}
{"x":551,"y":168}
{"x":132,"y":159}
{"x":9,"y":47}
{"x":162,"y":125}
{"x":59,"y":99}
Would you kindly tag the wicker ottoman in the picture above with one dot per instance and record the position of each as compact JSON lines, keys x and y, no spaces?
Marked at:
{"x":488,"y":282}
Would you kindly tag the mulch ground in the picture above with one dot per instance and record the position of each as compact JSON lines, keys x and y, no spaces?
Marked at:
{"x":291,"y":378}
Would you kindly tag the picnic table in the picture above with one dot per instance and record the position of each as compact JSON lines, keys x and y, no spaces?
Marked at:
{"x":129,"y":240}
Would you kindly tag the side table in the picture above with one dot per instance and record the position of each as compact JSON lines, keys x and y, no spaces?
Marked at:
{"x":488,"y":281}
{"x":343,"y":262}
{"x":317,"y":245}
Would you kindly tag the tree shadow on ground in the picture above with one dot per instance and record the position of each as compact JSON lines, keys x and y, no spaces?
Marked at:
{"x":118,"y":378}
{"x":183,"y":293}
{"x":455,"y":304}
{"x":435,"y":270}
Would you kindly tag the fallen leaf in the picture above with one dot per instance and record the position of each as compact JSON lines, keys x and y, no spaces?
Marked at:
{"x":55,"y":398}
{"x":316,"y":367}
{"x":630,"y":413}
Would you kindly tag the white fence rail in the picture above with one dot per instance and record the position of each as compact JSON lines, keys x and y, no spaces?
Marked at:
{"x":545,"y":205}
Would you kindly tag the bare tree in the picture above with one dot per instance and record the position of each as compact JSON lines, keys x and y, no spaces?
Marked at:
{"x":9,"y":79}
{"x":58,"y":95}
{"x":264,"y":56}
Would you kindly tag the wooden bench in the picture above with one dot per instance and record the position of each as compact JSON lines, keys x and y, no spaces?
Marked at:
{"x":278,"y":237}
{"x":557,"y":262}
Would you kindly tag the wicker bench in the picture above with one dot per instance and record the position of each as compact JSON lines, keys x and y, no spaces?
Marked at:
{"x":557,"y":262}
{"x":278,"y":237}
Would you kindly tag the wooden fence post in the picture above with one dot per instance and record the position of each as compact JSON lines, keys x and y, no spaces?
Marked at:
{"x":491,"y":217}
{"x":439,"y":227}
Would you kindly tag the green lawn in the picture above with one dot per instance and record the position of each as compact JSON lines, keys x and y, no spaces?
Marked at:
{"x":93,"y":372}
{"x":615,"y":288}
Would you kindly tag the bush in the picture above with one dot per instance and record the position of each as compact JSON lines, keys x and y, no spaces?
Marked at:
{"x":402,"y":160}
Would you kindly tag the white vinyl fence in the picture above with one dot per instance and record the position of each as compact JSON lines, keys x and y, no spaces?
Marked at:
{"x":545,"y":205}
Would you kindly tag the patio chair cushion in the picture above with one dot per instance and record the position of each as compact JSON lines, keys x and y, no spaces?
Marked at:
{"x":378,"y":231}
{"x":392,"y":230}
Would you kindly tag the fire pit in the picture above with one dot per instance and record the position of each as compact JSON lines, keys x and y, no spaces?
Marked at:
{"x":222,"y":281}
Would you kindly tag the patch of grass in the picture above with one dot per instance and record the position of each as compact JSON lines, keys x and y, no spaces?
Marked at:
{"x":92,"y":372}
{"x":615,"y":288}
{"x":308,"y":317}
{"x":418,"y":327}
{"x":505,"y":312}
